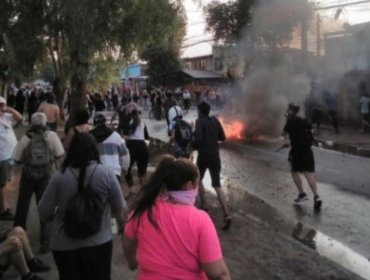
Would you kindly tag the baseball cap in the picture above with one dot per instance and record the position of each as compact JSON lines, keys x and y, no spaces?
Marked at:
{"x":38,"y":118}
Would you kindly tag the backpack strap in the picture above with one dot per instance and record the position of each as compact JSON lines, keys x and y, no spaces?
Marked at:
{"x":91,"y":177}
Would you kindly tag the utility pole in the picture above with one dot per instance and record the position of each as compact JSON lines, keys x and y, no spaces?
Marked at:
{"x":304,"y":42}
{"x":318,"y":35}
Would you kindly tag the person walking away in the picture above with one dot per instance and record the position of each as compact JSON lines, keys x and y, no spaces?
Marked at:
{"x":181,"y":133}
{"x":38,"y":151}
{"x":169,"y":102}
{"x":145,"y":96}
{"x":364,"y":109}
{"x":51,"y":110}
{"x":79,"y":254}
{"x":15,"y":249}
{"x":33,"y":105}
{"x":332,"y":106}
{"x":99,"y":103}
{"x":115,"y":100}
{"x":139,"y":152}
{"x":207,"y":135}
{"x":8,"y":141}
{"x":162,"y":216}
{"x":158,"y":107}
{"x":186,"y":96}
{"x":112,"y":148}
{"x":78,"y":124}
{"x":123,"y":117}
{"x":20,"y":101}
{"x":301,"y":157}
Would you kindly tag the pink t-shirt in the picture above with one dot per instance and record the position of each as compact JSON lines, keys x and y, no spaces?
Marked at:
{"x":185,"y":238}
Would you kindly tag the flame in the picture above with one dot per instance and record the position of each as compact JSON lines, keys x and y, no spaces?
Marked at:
{"x":233,"y":129}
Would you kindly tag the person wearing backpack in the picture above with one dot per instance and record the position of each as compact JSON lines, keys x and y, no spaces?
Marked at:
{"x":180,"y":132}
{"x":38,"y":151}
{"x":301,"y":157}
{"x":81,"y":238}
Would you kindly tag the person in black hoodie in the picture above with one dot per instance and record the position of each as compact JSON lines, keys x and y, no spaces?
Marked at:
{"x":112,"y":147}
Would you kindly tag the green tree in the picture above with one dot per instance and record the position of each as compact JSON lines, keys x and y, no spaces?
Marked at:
{"x":74,"y":33}
{"x":261,"y":23}
{"x":163,"y":66}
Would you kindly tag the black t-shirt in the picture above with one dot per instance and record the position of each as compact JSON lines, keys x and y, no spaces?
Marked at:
{"x":300,"y":133}
{"x":208,"y":132}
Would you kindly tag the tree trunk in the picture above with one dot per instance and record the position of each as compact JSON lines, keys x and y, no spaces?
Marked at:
{"x":2,"y":87}
{"x":79,"y":72}
{"x":59,"y":90}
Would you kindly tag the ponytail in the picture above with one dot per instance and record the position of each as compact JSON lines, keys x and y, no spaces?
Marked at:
{"x":171,"y":174}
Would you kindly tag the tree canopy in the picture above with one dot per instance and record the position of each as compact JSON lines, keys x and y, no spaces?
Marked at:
{"x":75,"y":33}
{"x":163,"y":65}
{"x":263,"y":23}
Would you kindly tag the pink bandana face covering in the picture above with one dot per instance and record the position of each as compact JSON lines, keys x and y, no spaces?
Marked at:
{"x":184,"y":197}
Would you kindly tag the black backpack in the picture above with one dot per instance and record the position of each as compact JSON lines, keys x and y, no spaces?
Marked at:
{"x":36,"y":157}
{"x":183,"y":133}
{"x":84,"y":212}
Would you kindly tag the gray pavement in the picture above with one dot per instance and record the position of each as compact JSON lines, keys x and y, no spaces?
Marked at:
{"x":270,"y":239}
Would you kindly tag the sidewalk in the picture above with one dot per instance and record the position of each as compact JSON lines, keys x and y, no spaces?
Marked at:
{"x":350,"y":140}
{"x":253,"y":248}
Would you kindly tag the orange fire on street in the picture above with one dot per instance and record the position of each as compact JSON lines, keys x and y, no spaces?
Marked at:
{"x":233,"y":129}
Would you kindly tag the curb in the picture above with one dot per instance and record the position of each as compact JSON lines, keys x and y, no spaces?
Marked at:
{"x":344,"y":148}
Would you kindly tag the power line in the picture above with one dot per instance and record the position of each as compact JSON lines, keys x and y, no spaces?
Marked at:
{"x":197,"y":43}
{"x":341,"y":5}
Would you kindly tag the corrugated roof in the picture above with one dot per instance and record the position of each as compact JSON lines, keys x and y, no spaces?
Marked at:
{"x":199,"y":74}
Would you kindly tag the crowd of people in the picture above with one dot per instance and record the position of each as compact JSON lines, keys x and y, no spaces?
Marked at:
{"x":77,"y":180}
{"x":88,"y":166}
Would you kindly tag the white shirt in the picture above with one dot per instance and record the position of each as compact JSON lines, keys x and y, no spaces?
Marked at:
{"x":139,"y":132}
{"x":8,"y":140}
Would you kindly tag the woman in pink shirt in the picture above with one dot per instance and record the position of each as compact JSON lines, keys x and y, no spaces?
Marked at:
{"x":166,"y":237}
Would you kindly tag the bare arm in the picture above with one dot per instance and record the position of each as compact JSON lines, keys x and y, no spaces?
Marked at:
{"x":216,"y":270}
{"x":16,"y":115}
{"x":130,"y":248}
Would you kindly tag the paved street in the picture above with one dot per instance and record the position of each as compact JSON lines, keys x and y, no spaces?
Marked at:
{"x":271,"y":239}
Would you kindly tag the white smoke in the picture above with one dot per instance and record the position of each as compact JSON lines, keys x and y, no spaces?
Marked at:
{"x":275,"y":77}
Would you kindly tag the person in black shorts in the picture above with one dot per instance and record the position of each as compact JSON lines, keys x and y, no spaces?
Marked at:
{"x":301,"y":156}
{"x":207,"y":135}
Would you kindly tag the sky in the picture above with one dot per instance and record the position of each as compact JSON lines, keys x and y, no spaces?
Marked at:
{"x":352,"y":14}
{"x":196,"y":22}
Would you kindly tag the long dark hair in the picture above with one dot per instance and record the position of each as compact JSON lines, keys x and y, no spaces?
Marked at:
{"x":171,"y":174}
{"x":135,"y":121}
{"x":82,"y":151}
